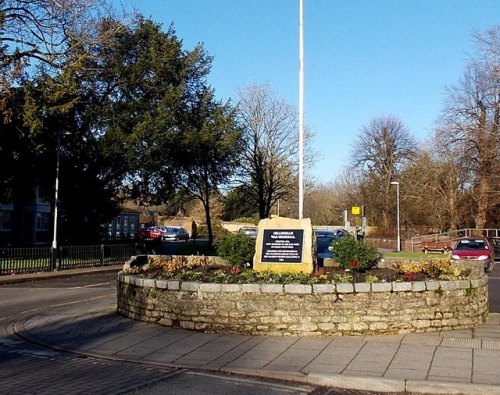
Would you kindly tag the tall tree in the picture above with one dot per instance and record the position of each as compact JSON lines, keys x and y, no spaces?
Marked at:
{"x":471,"y":119}
{"x":211,"y":147}
{"x":148,"y":86}
{"x":269,"y":165}
{"x":381,"y":150}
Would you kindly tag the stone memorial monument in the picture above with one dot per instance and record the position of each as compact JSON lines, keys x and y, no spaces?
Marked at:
{"x":284,"y":245}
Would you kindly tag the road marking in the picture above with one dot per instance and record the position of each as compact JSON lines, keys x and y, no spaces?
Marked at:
{"x":90,"y":286}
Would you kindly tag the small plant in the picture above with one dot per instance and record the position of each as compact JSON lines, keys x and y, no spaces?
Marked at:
{"x":354,"y":254}
{"x":342,"y":278}
{"x":238,"y":249}
{"x":436,"y":268}
{"x":409,"y":277}
{"x":371,"y":279}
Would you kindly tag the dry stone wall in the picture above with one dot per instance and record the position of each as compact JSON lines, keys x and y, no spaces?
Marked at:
{"x":306,"y":310}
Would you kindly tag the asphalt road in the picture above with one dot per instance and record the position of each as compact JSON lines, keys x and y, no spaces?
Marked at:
{"x":28,"y":368}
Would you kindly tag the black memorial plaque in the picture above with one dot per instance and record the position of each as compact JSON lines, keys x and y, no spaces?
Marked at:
{"x":282,"y":245}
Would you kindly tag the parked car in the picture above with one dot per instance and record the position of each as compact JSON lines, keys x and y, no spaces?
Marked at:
{"x":324,"y":240}
{"x":150,"y":232}
{"x":495,"y":242}
{"x":341,"y":233}
{"x":250,"y":231}
{"x":174,"y":233}
{"x":474,"y":248}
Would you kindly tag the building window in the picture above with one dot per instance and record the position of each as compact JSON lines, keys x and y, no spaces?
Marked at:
{"x":5,"y":220}
{"x":42,"y":221}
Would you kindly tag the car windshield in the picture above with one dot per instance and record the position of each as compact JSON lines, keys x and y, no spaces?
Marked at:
{"x":172,"y":230}
{"x":471,"y":245}
{"x":324,"y":240}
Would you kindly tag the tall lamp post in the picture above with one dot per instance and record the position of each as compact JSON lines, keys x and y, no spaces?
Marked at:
{"x":397,"y":212}
{"x":56,"y":198}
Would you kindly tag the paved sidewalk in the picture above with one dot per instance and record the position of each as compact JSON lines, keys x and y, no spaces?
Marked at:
{"x":453,"y":362}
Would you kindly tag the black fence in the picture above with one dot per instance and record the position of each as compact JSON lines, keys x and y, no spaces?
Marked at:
{"x":15,"y":260}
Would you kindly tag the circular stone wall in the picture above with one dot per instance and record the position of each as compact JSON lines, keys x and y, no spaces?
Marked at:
{"x":314,"y":310}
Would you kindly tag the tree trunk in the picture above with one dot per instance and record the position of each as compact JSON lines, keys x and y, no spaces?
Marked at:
{"x":452,"y":201}
{"x":482,"y":202}
{"x":208,"y":219}
{"x":487,"y":154}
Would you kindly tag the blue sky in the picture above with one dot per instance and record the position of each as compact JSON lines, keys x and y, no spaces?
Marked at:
{"x":363,"y":58}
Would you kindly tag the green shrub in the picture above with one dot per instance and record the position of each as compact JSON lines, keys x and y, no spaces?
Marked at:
{"x":247,"y":220}
{"x":238,"y":249}
{"x":354,"y":254}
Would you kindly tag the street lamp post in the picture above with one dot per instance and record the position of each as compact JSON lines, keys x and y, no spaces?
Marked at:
{"x":56,"y":198}
{"x":397,"y":213}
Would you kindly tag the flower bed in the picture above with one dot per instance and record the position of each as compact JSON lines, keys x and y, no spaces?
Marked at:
{"x":209,"y":269}
{"x":317,"y":306}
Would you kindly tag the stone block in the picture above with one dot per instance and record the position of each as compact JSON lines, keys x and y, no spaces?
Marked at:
{"x":378,"y":326}
{"x":149,"y":282}
{"x":420,"y":324}
{"x":478,"y":283}
{"x":448,"y":285}
{"x":327,"y":327}
{"x":323,"y":288}
{"x":272,"y":288}
{"x":360,"y":326}
{"x":381,"y":287}
{"x":231,"y":288}
{"x":270,"y":320}
{"x":210,"y":287}
{"x":303,"y":327}
{"x":161,"y":284}
{"x":418,"y":286}
{"x":362,"y":287}
{"x":190,"y":286}
{"x":284,"y":245}
{"x":250,"y":288}
{"x":174,"y":285}
{"x":463,"y":284}
{"x":298,"y":288}
{"x":401,"y":287}
{"x":345,"y":288}
{"x":432,"y":285}
{"x":138,"y":281}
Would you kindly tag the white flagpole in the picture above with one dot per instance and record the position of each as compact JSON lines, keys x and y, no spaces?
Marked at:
{"x":301,"y":109}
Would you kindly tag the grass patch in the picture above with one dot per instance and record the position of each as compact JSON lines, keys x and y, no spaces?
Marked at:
{"x":414,"y":255}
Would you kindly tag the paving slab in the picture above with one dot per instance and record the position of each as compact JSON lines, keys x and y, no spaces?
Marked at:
{"x":437,"y":362}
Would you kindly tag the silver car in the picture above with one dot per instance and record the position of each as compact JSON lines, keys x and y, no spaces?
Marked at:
{"x":250,"y":231}
{"x":174,"y":233}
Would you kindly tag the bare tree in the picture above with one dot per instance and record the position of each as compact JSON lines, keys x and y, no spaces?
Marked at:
{"x":40,"y":29}
{"x":471,"y":118}
{"x":434,"y":188}
{"x":45,"y":33}
{"x":270,"y":159}
{"x":380,"y":152}
{"x":325,"y":204}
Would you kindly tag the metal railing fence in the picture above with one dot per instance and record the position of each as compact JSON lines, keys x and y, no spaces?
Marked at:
{"x":18,"y":260}
{"x":451,"y":236}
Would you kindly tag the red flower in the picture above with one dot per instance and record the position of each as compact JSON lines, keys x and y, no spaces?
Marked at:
{"x":409,"y":277}
{"x":353,"y":263}
{"x":234,"y":270}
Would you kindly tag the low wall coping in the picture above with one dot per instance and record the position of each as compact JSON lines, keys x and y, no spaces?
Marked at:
{"x":293,"y":288}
